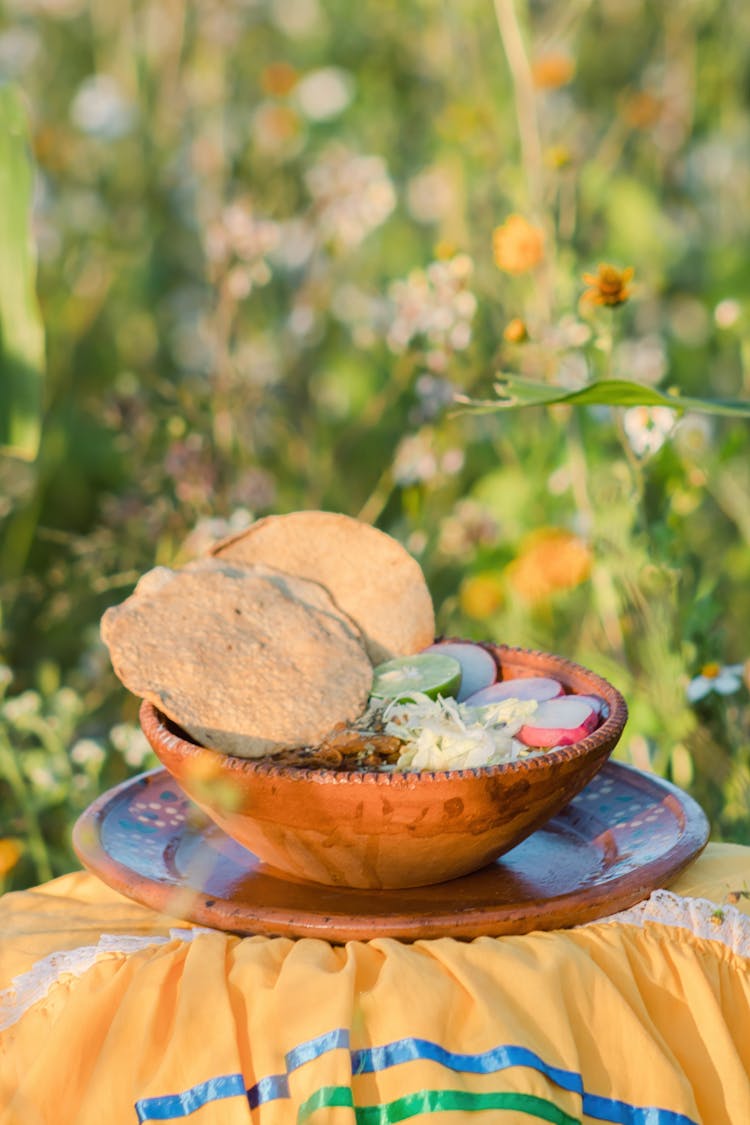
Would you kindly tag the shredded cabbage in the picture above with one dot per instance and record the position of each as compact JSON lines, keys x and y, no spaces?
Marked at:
{"x":441,"y":734}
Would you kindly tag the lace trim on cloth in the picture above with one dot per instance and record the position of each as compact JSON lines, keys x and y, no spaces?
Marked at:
{"x":723,"y":924}
{"x":705,"y":919}
{"x":30,"y":987}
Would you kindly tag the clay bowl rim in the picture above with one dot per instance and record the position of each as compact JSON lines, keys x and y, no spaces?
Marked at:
{"x":157,"y":726}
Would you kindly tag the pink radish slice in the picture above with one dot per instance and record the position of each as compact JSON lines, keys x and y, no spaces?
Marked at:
{"x":540,"y":688}
{"x":559,"y":722}
{"x":600,"y":705}
{"x":478,"y":669}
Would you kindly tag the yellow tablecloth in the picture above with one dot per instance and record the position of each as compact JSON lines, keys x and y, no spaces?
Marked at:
{"x":111,"y":1014}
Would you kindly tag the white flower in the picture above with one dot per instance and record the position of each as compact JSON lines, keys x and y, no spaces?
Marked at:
{"x":727,"y":312}
{"x":131,"y":742}
{"x":693,"y":434}
{"x":648,"y":427}
{"x":724,"y":679}
{"x":101,"y":109}
{"x":238,"y":243}
{"x":43,"y":779}
{"x":434,"y":305}
{"x":415,"y":461}
{"x":324,"y":93}
{"x":67,"y":702}
{"x":296,"y":243}
{"x":23,"y":706}
{"x":353,"y":195}
{"x":569,"y":332}
{"x":643,"y":359}
{"x":87,"y":752}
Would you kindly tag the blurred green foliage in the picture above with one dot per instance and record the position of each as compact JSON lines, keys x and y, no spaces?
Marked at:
{"x":21,"y":331}
{"x":266,"y":269}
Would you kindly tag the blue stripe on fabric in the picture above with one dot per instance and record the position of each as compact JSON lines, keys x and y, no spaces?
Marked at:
{"x":314,"y":1048}
{"x":373,"y":1059}
{"x":269,"y":1089}
{"x":168,"y":1106}
{"x":277,"y":1085}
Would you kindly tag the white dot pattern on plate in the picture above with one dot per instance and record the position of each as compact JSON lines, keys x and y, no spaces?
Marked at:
{"x":642,"y":830}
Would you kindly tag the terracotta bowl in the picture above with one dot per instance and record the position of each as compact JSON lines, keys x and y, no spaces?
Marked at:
{"x":378,"y":830}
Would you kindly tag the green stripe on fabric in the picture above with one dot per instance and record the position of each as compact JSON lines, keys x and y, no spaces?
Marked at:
{"x":434,"y":1101}
{"x":326,"y":1096}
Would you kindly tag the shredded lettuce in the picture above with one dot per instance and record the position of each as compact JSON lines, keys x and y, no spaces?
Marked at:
{"x":441,"y":734}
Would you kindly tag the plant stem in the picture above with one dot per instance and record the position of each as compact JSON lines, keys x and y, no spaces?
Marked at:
{"x":524,"y":97}
{"x":378,"y":498}
{"x":601,"y":579}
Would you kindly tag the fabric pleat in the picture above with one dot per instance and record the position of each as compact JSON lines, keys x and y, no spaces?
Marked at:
{"x":111,"y":1013}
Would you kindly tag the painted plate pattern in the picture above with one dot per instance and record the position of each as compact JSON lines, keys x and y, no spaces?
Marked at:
{"x":623,"y":836}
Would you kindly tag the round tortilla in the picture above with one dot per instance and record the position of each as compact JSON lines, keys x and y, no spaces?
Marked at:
{"x":371,"y":577}
{"x":245,"y":659}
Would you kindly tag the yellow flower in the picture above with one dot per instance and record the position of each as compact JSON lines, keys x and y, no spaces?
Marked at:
{"x":552,"y":70}
{"x":515,"y":331}
{"x":609,"y":286}
{"x":445,"y":250}
{"x":481,"y":595}
{"x":518,"y":245}
{"x":10,"y":853}
{"x":558,"y":156}
{"x":550,"y":560}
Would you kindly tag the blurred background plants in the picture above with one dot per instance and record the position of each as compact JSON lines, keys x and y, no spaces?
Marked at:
{"x":276,"y":239}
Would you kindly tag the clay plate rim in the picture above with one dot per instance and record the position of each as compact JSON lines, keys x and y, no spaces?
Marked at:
{"x":574,"y":907}
{"x":157,"y":727}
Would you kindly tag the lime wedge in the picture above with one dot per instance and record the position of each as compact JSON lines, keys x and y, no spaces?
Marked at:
{"x":428,"y":672}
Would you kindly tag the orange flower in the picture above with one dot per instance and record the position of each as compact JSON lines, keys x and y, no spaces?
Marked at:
{"x":518,"y":245}
{"x":275,"y":126}
{"x":641,"y":109}
{"x":278,"y":79}
{"x":481,"y":595}
{"x":609,"y":286}
{"x":10,"y":853}
{"x":552,"y":70}
{"x":550,"y":561}
{"x":515,"y":331}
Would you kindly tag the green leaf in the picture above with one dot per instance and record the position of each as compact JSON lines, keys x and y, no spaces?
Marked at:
{"x":21,"y":331}
{"x":515,"y":392}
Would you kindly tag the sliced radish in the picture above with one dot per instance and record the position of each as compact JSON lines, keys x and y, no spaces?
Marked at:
{"x":600,"y":705}
{"x":478,"y":668}
{"x":540,"y":688}
{"x":559,"y":722}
